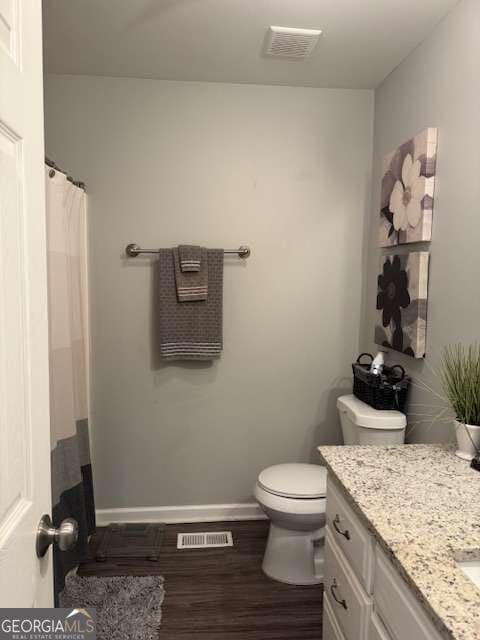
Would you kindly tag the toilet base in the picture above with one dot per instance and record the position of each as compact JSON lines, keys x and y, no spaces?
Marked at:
{"x":294,"y":557}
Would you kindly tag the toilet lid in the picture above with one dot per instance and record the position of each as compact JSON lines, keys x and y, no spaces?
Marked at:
{"x":295,"y":480}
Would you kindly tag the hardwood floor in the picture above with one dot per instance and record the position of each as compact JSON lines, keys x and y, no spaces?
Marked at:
{"x":222,"y":594}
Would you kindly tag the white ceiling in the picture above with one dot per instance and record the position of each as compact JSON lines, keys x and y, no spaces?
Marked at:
{"x":221,"y":40}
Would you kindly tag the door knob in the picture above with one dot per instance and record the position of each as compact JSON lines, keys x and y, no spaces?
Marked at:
{"x":65,"y":536}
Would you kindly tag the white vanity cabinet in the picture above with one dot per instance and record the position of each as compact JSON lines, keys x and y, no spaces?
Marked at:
{"x":365,"y":598}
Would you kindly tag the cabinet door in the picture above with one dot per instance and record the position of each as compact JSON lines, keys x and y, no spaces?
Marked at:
{"x":331,"y":628}
{"x":397,"y":606}
{"x":344,"y":593}
{"x":376,"y":630}
{"x":351,"y":535}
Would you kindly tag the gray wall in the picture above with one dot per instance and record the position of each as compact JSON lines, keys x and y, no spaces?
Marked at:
{"x":286,"y":170}
{"x":438,"y":85}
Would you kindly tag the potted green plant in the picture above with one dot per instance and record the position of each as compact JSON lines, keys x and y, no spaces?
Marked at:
{"x":460,"y":376}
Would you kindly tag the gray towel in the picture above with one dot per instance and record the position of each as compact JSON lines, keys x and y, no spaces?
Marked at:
{"x":190,"y":256}
{"x":190,"y":285}
{"x":190,"y":330}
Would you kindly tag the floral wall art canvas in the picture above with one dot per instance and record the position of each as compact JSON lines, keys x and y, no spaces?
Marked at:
{"x":408,"y":183}
{"x":402,"y":303}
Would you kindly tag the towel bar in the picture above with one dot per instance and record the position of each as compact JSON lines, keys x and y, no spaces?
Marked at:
{"x":133,"y":250}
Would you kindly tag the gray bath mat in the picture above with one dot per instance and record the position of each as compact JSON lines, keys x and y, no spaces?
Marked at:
{"x":128,"y":607}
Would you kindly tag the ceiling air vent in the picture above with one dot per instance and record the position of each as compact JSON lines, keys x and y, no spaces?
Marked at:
{"x":287,"y":42}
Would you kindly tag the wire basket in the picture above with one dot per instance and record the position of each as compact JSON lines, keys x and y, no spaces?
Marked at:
{"x":387,"y":391}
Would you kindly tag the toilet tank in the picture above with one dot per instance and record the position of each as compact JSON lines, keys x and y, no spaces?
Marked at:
{"x":361,"y":424}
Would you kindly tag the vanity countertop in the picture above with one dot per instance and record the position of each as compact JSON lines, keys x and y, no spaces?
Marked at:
{"x":422,"y":504}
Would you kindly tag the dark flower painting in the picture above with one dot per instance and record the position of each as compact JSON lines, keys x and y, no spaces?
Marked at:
{"x":408,"y":183}
{"x":402,"y":287}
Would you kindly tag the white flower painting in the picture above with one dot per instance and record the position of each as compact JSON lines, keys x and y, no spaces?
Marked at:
{"x":408,"y":184}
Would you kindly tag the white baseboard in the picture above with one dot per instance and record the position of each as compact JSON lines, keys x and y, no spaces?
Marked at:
{"x":185,"y":513}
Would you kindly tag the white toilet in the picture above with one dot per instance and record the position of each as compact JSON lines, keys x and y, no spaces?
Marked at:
{"x":293,"y":496}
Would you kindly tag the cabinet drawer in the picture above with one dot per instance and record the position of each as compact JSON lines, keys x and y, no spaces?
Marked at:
{"x":331,"y":628}
{"x":344,"y":593}
{"x":351,"y":535}
{"x":396,"y":605}
{"x":376,"y":630}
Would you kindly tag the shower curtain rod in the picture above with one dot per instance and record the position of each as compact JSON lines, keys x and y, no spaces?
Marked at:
{"x":54,"y":167}
{"x":133,"y":250}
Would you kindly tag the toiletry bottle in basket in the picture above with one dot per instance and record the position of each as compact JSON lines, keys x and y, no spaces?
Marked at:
{"x":377,"y":363}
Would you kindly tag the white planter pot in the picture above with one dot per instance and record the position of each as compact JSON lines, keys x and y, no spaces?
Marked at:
{"x":468,"y":440}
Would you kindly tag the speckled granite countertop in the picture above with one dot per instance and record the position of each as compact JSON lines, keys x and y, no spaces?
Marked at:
{"x":422,"y":503}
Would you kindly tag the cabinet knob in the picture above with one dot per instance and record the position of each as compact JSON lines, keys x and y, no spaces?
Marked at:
{"x":336,"y":522}
{"x":333,"y":590}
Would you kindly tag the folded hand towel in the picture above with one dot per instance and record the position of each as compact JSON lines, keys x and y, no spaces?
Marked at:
{"x":191,"y":286}
{"x":190,"y":330}
{"x":189,"y":257}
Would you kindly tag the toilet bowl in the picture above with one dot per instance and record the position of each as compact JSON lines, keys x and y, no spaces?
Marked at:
{"x":293,"y":498}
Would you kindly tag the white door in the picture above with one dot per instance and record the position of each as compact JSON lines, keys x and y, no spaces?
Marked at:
{"x":25,"y":581}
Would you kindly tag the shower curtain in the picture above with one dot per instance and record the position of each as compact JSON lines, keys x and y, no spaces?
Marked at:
{"x":72,"y":485}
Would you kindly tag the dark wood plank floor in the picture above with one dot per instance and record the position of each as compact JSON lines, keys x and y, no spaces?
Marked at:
{"x":222,"y":594}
